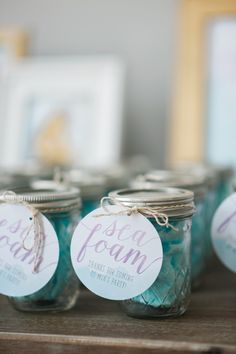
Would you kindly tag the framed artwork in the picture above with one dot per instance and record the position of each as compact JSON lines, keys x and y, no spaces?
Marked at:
{"x":64,"y":111}
{"x":12,"y":46}
{"x":203,"y":121}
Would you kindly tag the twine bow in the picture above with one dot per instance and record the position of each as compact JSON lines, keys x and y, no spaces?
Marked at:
{"x":161,"y":218}
{"x":36,"y":224}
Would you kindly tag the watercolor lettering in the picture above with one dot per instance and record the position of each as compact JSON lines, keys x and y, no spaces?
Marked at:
{"x":9,"y":240}
{"x":115,"y":248}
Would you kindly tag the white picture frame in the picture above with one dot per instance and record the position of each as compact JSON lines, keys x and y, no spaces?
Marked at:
{"x":86,"y":93}
{"x":13,"y":46}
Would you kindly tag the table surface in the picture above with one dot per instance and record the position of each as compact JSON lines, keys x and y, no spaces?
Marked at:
{"x":96,"y":325}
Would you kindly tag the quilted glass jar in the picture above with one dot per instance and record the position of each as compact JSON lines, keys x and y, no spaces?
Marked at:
{"x":169,"y":294}
{"x":61,"y":205}
{"x":225,"y":185}
{"x":168,"y":178}
{"x":212,"y":180}
{"x":211,"y":176}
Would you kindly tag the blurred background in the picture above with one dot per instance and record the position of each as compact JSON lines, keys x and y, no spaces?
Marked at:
{"x":89,"y":83}
{"x":140,"y":34}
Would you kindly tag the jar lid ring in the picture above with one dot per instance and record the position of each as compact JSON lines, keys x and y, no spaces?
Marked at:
{"x":160,"y":217}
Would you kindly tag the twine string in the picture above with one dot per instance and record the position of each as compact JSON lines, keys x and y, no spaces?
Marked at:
{"x":38,"y":243}
{"x":160,"y":217}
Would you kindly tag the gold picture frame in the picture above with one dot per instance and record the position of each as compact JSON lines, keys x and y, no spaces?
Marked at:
{"x":16,"y":40}
{"x":187,"y":129}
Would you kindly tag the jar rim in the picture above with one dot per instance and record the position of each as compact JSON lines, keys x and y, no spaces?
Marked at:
{"x":176,"y":202}
{"x":44,"y":194}
{"x":173,"y":179}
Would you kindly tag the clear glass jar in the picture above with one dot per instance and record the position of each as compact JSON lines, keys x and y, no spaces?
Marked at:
{"x":219,"y":182}
{"x":212,"y":178}
{"x":198,"y":242}
{"x":62,"y":206}
{"x":225,"y":185}
{"x":92,"y":187}
{"x":169,"y":294}
{"x":169,"y":178}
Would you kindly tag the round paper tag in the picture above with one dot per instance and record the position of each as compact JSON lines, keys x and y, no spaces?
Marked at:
{"x":223,"y":232}
{"x":116,"y":256}
{"x":17,"y":253}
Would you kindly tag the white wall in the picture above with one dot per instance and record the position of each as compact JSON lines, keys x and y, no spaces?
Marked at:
{"x":139,"y":31}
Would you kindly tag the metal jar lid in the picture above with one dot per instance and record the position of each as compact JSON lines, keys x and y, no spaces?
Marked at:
{"x":92,"y":186}
{"x":168,"y":178}
{"x":225,"y":172}
{"x":205,"y":171}
{"x":30,"y":172}
{"x":173,"y":202}
{"x":45,"y":195}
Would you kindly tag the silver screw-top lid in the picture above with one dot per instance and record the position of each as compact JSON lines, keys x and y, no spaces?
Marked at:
{"x":29,"y":172}
{"x":44,"y":195}
{"x":173,"y":202}
{"x":225,"y":172}
{"x":23,"y":176}
{"x":208,"y":172}
{"x":92,"y":185}
{"x":168,"y":178}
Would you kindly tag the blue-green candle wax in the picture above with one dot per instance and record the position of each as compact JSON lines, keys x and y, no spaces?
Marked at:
{"x":61,"y":206}
{"x":169,"y":294}
{"x":196,"y":184}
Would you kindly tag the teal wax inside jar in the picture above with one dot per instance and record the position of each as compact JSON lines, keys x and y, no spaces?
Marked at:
{"x":224,"y":190}
{"x":61,"y":292}
{"x":198,"y":261}
{"x":169,"y":294}
{"x":211,"y":205}
{"x":88,"y":206}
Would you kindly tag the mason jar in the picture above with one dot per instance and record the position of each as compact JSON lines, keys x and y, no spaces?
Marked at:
{"x":8,"y":180}
{"x":61,"y":205}
{"x":225,"y":184}
{"x":212,"y":178}
{"x":92,"y":187}
{"x":169,"y":294}
{"x":197,"y":184}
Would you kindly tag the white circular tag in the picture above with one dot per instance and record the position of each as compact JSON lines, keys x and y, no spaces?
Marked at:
{"x":223,"y":232}
{"x":116,"y":256}
{"x":17,"y":256}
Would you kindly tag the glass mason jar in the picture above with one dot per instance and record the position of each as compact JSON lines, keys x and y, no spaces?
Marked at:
{"x":92,"y":188}
{"x":169,"y":294}
{"x":225,"y":185}
{"x":61,"y":206}
{"x":212,"y":178}
{"x":168,"y":178}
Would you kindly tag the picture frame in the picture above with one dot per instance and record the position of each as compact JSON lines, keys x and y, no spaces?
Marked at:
{"x":13,"y":46}
{"x":15,"y":39}
{"x":64,"y":111}
{"x":189,"y":122}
